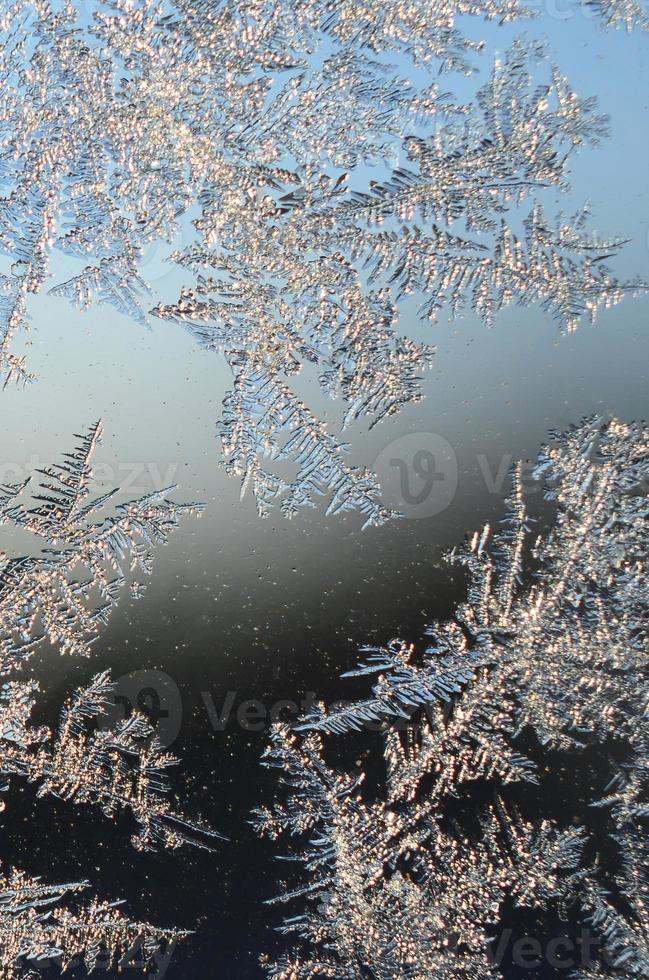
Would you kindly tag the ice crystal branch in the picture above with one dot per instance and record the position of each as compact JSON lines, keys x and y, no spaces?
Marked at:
{"x":326,"y":186}
{"x":622,"y":13}
{"x":314,"y":273}
{"x":547,"y":653}
{"x":574,"y":640}
{"x":64,"y":592}
{"x":123,"y":767}
{"x":63,"y":595}
{"x":37,"y":930}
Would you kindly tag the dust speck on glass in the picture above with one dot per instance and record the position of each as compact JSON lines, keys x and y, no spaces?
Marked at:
{"x":366,"y":284}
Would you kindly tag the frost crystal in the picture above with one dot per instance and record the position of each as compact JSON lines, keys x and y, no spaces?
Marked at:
{"x":62,"y":594}
{"x":626,"y":13}
{"x":36,"y":931}
{"x":122,"y":767}
{"x":547,"y":654}
{"x":325,"y":189}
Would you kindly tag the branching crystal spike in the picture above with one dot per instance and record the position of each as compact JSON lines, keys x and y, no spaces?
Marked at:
{"x":547,"y":655}
{"x":314,"y":186}
{"x":63,"y":593}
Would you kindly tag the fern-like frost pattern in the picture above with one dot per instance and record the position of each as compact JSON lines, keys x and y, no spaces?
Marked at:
{"x":61,"y":595}
{"x":548,"y":654}
{"x":328,"y":187}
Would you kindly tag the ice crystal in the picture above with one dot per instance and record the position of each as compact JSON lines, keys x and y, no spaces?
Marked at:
{"x":325,"y":185}
{"x":65,"y":590}
{"x":626,"y":13}
{"x":120,"y":767}
{"x":548,"y":653}
{"x":63,"y":594}
{"x":37,"y":931}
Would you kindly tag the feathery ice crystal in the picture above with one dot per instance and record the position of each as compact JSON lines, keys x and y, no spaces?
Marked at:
{"x":324,"y":184}
{"x":62,"y":595}
{"x":65,"y":591}
{"x":548,"y":653}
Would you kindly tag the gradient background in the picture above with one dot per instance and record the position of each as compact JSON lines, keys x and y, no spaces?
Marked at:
{"x":272,"y":609}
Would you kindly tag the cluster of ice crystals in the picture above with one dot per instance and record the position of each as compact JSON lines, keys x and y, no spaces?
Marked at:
{"x":61,"y":594}
{"x":37,"y":931}
{"x":548,"y":653}
{"x":326,"y":185}
{"x":64,"y":591}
